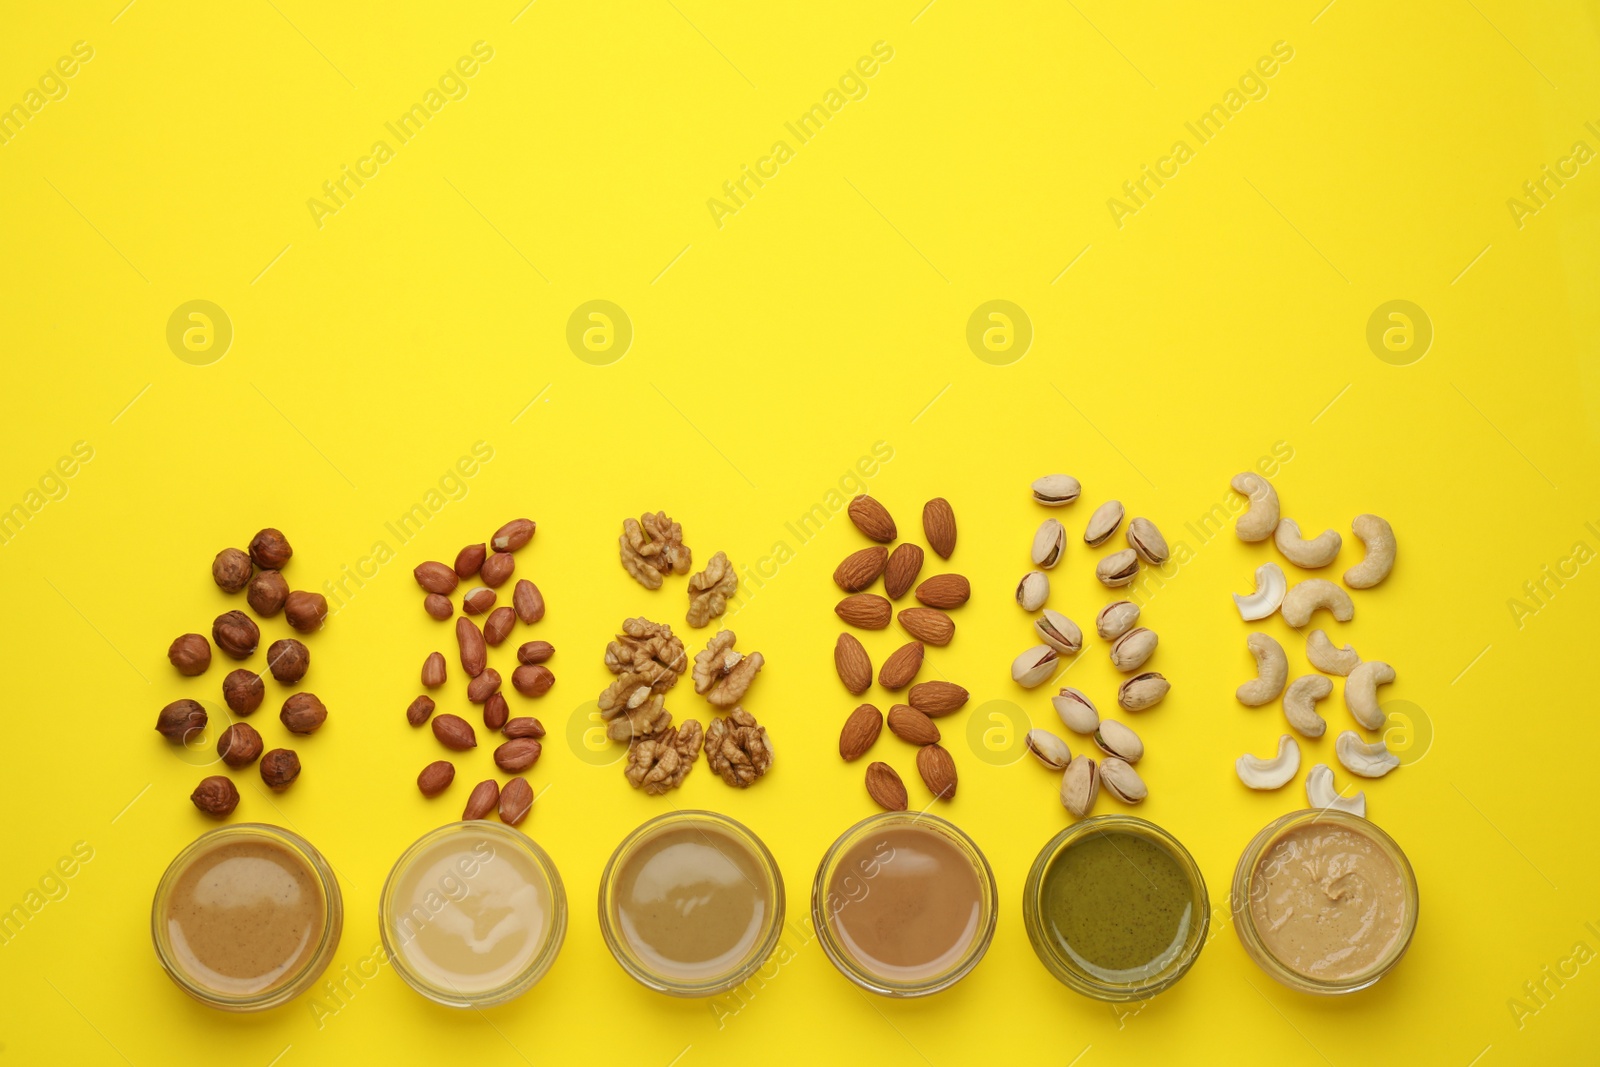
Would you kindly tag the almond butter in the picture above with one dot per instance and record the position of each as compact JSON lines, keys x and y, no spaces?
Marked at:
{"x":474,"y":656}
{"x":860,"y":569}
{"x":496,"y":569}
{"x":865,"y":611}
{"x":928,"y":624}
{"x":861,"y":729}
{"x":436,"y":777}
{"x":513,"y":535}
{"x":938,"y":771}
{"x":854,"y":666}
{"x":470,"y":559}
{"x":532,"y":679}
{"x":939,"y":525}
{"x":478,"y":601}
{"x":482,"y":801}
{"x":435,"y":577}
{"x":535,"y":652}
{"x":885,"y":787}
{"x":497,"y":627}
{"x":433,"y":670}
{"x":528,"y":601}
{"x":901,"y":666}
{"x":516,"y":800}
{"x":909,"y":724}
{"x":518,"y":754}
{"x":484,"y":686}
{"x":454,"y":732}
{"x":934,"y":699}
{"x":872,"y":519}
{"x":905,"y":563}
{"x":945,"y":591}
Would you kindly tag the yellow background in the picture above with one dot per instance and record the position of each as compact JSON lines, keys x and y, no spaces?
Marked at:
{"x":769,"y":355}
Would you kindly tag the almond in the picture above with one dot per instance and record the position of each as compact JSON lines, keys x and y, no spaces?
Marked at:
{"x":945,"y":591}
{"x":861,"y":569}
{"x":484,"y":686}
{"x":885,"y":788}
{"x":939,"y":525}
{"x":497,"y":627}
{"x":851,"y":661}
{"x":938,"y":771}
{"x":901,"y":666}
{"x":872,"y":519}
{"x":909,"y":724}
{"x":482,"y":801}
{"x":433,"y":670}
{"x":528,"y":601}
{"x":516,"y":800}
{"x":934,"y":699}
{"x":861,"y":729}
{"x":435,"y":577}
{"x":517,"y":754}
{"x":469,"y":560}
{"x":905,"y":563}
{"x":535,"y":652}
{"x":866,"y":611}
{"x":454,"y":732}
{"x":928,"y":624}
{"x":513,"y":535}
{"x":436,"y":777}
{"x":473,"y":654}
{"x":532,"y":679}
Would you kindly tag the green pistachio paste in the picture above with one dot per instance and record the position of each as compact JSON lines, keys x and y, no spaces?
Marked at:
{"x":1118,"y":905}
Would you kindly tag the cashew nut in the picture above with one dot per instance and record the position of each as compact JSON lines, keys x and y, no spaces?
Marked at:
{"x":1378,"y":536}
{"x":1270,"y":587}
{"x":1301,"y":602}
{"x":1300,"y":703}
{"x":1272,"y":670}
{"x":1327,"y":659}
{"x":1258,"y":520}
{"x":1271,"y":773}
{"x":1322,"y":795}
{"x":1361,"y":692}
{"x":1369,"y":761}
{"x":1308,"y":555}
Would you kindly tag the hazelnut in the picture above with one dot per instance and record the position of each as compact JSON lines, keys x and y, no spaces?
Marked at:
{"x":420,"y":709}
{"x":306,"y":611}
{"x":302,"y":713}
{"x":236,"y":634}
{"x":239,"y":745}
{"x":267,"y":592}
{"x":181,"y":720}
{"x":191,"y":654}
{"x":231,"y":570}
{"x":288,"y":660}
{"x":270,"y":549}
{"x":243,"y":691}
{"x":279,"y":768}
{"x":215,"y":796}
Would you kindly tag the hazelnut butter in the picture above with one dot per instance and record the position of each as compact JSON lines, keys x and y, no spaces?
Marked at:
{"x":246,"y":917}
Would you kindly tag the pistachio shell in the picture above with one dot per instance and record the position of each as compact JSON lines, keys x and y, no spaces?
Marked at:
{"x":1103,"y":523}
{"x":1122,"y":781}
{"x":1118,"y":569}
{"x":1055,"y":490}
{"x":1059,"y":632}
{"x":1116,"y":619}
{"x":1080,"y":784}
{"x":1034,"y":666}
{"x":1130,"y":651}
{"x":1048,"y":543}
{"x":1142,"y":691}
{"x":1033,"y":591}
{"x":1076,"y":710}
{"x":1115,"y":739}
{"x":1146,"y":540}
{"x":1049,"y":749}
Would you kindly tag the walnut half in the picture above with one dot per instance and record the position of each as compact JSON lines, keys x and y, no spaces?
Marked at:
{"x":710,"y":589}
{"x":659,"y":764}
{"x":738,"y":748}
{"x":652,"y":548}
{"x":722,"y":675}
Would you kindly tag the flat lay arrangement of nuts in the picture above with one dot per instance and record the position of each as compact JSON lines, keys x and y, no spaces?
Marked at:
{"x":1130,"y":648}
{"x":929,"y":624}
{"x":257,"y":572}
{"x":493,"y":564}
{"x":1297,"y":604}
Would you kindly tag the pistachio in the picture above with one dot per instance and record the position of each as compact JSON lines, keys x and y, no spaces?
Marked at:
{"x":1146,"y":540}
{"x":1116,"y":619}
{"x":1048,"y":749}
{"x":1322,"y":795}
{"x":1273,"y":773}
{"x":1048,"y":543}
{"x":1080,"y":784}
{"x":1118,"y":569}
{"x":1130,"y":651}
{"x":1122,"y":781}
{"x":1056,"y":490}
{"x":1033,"y":591}
{"x":1076,"y":710}
{"x":1143,"y":691}
{"x":1059,"y":632}
{"x":1300,"y":704}
{"x":1103,"y":523}
{"x":1369,"y":761}
{"x":1034,"y":666}
{"x":1115,"y":739}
